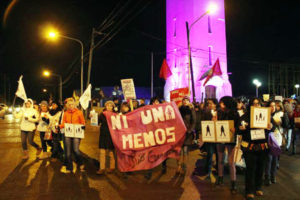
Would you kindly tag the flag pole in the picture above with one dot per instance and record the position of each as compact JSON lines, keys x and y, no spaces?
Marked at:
{"x":151,"y":74}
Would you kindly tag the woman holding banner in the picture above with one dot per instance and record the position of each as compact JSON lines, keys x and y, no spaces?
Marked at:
{"x":105,"y":142}
{"x":72,"y":116}
{"x":227,"y":111}
{"x":255,"y":152}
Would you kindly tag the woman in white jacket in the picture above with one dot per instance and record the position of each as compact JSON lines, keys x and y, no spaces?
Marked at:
{"x":29,"y":116}
{"x":43,"y":127}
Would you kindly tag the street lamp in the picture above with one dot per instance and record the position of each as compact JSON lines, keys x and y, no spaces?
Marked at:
{"x":211,"y":9}
{"x":52,"y":34}
{"x":47,"y":73}
{"x":297,"y":88}
{"x":257,"y":83}
{"x":44,"y":90}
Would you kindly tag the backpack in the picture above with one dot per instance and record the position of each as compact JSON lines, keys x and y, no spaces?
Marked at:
{"x":275,"y":149}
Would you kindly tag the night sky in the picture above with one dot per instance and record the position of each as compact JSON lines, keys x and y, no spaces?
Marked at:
{"x":258,"y":33}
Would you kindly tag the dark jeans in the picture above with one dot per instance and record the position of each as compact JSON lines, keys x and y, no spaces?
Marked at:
{"x":271,"y":166}
{"x":30,"y":136}
{"x":72,"y":144}
{"x":255,"y":165}
{"x":45,"y":142}
{"x":210,"y":149}
{"x":57,"y":149}
{"x":295,"y":137}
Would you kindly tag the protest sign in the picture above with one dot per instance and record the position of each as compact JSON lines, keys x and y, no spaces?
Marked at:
{"x":278,"y":98}
{"x":94,"y":118}
{"x":128,"y":89}
{"x":260,"y":117}
{"x":178,"y":94}
{"x":223,"y":133}
{"x":208,"y":131}
{"x":146,"y":136}
{"x":266,"y":97}
{"x":74,"y":130}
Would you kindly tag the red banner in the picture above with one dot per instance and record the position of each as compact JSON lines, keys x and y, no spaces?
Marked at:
{"x":147,"y":136}
{"x":178,"y":94}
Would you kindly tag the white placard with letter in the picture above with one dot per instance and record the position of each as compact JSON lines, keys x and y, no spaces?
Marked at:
{"x":94,"y":118}
{"x":223,"y":131}
{"x":258,"y":134}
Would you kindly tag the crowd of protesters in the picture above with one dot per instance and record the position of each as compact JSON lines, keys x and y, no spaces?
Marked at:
{"x":261,"y":163}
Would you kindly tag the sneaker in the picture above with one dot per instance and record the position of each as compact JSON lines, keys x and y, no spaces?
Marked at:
{"x":65,"y":170}
{"x":250,"y":197}
{"x":259,"y":193}
{"x":82,"y":168}
{"x":100,"y":171}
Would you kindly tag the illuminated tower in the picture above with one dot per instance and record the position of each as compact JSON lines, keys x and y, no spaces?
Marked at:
{"x":208,"y":43}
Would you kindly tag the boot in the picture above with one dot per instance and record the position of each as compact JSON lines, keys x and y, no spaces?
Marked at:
{"x":25,"y":155}
{"x":219,"y":180}
{"x":267,"y":181}
{"x":233,"y":187}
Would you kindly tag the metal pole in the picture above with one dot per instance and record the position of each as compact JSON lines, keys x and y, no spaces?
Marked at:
{"x":190,"y":60}
{"x":90,"y":58}
{"x":151,"y":74}
{"x":60,"y":89}
{"x":257,"y":91}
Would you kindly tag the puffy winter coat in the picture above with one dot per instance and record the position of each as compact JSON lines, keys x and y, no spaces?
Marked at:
{"x":29,"y":116}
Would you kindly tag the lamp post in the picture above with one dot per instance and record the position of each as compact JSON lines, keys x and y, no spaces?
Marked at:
{"x":47,"y":74}
{"x":212,"y":8}
{"x":297,"y":88}
{"x":257,"y":83}
{"x":54,"y":35}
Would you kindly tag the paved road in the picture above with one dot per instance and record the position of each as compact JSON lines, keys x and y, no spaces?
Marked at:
{"x":41,"y":179}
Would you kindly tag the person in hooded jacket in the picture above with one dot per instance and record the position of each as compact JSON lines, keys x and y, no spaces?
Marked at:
{"x":227,"y":111}
{"x":43,"y":125}
{"x":189,"y":118}
{"x":29,"y":116}
{"x":72,"y":116}
{"x":56,"y":117}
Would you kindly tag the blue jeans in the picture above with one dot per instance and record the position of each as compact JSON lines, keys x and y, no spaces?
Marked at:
{"x":72,"y":144}
{"x":210,"y":149}
{"x":30,"y":136}
{"x":288,"y":136}
{"x":271,"y":166}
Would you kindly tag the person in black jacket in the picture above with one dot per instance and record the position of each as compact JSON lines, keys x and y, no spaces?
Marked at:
{"x":105,"y":142}
{"x":255,"y":153}
{"x":227,"y":111}
{"x":189,"y":118}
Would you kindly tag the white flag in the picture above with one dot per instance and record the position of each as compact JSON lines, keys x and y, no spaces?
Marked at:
{"x":86,"y":97}
{"x":21,"y":91}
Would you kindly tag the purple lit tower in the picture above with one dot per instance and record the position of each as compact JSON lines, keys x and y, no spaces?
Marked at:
{"x":208,"y":43}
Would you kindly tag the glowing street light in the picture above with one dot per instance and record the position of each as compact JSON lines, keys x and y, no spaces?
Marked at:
{"x":47,"y":73}
{"x":257,"y":83}
{"x":44,"y":90}
{"x":297,"y":88}
{"x":211,"y":9}
{"x":53,"y":35}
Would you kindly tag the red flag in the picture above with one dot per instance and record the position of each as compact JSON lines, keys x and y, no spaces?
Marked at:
{"x":165,"y":71}
{"x":215,"y":71}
